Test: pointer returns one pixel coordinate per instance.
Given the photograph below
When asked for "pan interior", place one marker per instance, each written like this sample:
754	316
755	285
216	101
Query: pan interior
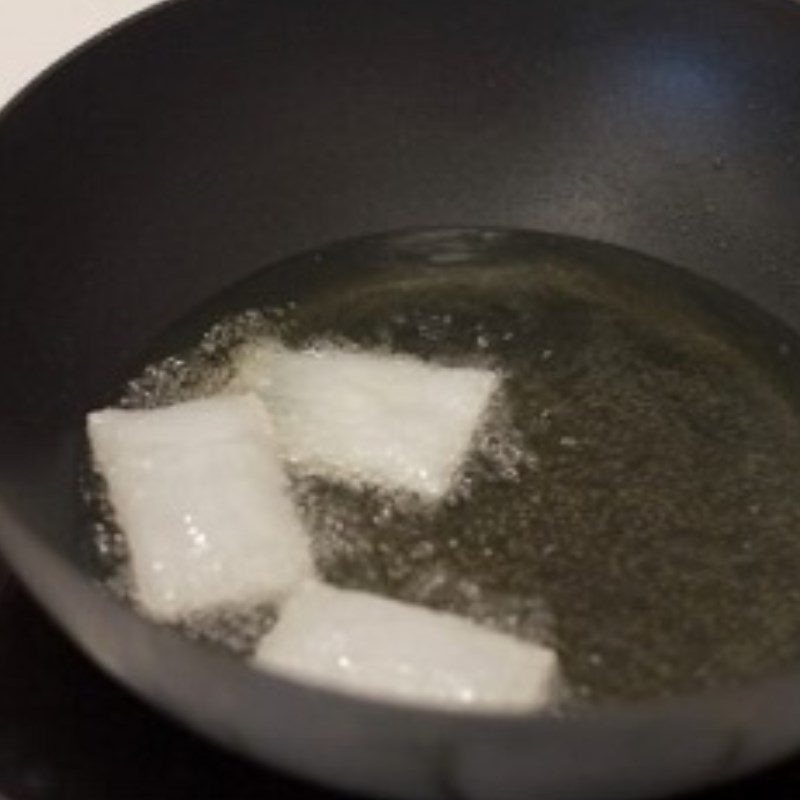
634	499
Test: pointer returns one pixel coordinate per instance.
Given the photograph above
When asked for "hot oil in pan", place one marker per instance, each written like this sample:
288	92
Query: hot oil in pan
634	498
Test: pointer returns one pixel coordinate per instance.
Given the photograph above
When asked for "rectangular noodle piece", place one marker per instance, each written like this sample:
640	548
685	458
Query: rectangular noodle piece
203	500
393	421
383	648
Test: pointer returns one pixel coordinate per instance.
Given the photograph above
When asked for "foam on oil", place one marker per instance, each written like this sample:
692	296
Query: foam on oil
633	498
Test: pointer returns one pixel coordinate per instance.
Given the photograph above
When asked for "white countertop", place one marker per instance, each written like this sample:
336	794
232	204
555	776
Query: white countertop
35	33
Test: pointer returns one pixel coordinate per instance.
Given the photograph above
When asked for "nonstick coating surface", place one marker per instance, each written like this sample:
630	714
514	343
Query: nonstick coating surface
49	732
215	136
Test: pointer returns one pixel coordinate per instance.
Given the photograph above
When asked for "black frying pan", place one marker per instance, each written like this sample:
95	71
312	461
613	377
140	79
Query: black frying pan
213	137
